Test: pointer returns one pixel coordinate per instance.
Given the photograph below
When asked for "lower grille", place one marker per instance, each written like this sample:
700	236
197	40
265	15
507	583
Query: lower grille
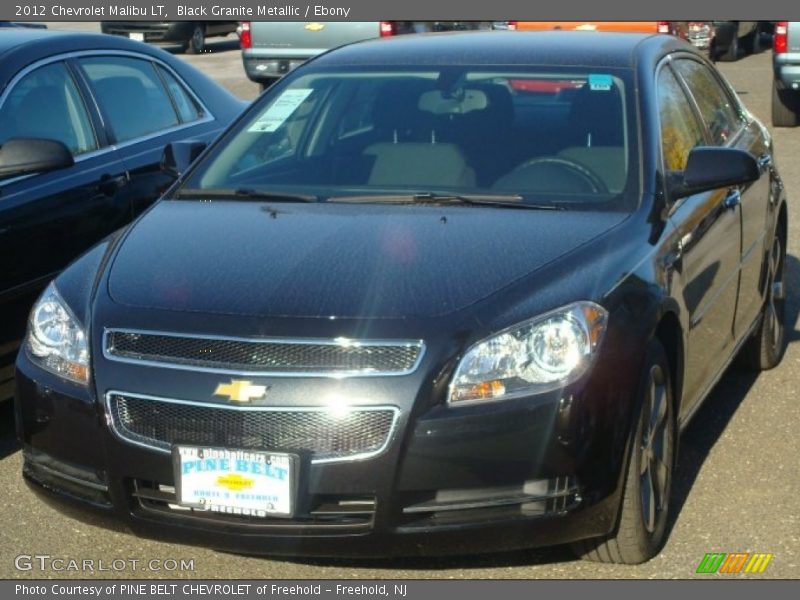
160	423
76	481
537	498
331	514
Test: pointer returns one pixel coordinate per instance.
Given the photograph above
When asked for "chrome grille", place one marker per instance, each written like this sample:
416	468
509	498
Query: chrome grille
159	423
270	356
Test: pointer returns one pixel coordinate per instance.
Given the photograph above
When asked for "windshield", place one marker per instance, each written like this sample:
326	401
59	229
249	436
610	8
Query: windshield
561	137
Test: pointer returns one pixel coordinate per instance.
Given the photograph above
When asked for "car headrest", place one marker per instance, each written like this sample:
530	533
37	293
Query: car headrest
419	164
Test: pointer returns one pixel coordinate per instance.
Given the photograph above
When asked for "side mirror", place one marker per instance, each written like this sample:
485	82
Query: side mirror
21	156
179	155
710	167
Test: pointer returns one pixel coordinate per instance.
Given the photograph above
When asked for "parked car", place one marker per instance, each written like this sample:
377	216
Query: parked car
736	37
701	34
428	294
23	24
786	79
189	35
270	49
84	119
615	26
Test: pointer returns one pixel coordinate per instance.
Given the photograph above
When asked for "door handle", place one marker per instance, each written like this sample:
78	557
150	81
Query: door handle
109	184
732	199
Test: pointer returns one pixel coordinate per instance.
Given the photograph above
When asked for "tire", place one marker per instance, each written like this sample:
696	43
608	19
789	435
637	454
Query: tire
764	350
197	43
641	530
732	51
752	43
711	53
785	107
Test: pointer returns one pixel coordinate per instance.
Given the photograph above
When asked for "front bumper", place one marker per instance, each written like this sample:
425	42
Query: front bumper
522	473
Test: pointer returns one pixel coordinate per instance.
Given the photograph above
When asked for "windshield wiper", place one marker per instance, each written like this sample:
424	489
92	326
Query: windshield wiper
243	194
498	200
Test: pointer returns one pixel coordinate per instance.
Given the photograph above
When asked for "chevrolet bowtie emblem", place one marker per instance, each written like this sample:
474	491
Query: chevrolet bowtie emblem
315	26
239	390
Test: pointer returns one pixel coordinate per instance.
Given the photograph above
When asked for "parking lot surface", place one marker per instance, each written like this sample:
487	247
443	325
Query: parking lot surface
737	485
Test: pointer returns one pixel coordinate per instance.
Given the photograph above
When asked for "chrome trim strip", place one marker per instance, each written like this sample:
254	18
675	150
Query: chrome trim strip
334	374
300	409
430	507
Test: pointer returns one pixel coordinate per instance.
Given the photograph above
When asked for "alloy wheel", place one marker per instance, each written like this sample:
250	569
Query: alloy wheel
776	294
655	451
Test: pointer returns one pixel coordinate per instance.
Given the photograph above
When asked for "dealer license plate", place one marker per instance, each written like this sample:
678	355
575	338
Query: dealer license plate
139	37
240	482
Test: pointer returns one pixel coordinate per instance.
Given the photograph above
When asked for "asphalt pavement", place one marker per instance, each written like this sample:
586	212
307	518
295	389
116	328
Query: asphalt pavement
737	485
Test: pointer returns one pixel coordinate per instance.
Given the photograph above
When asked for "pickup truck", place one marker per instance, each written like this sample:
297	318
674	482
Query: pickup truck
786	69
270	49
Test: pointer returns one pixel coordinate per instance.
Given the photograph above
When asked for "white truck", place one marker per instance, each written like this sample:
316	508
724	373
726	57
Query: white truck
786	69
270	49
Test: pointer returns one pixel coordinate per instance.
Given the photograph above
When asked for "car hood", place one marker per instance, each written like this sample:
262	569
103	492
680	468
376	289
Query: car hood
336	260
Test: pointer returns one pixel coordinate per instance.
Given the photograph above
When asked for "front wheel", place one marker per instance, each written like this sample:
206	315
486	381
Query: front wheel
197	43
642	526
732	51
753	41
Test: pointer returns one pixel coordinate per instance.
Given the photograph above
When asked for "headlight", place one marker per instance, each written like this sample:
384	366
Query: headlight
56	341
542	354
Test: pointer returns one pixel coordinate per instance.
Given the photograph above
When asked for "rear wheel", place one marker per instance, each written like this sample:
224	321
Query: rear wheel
753	41
785	107
732	51
642	526
764	350
197	43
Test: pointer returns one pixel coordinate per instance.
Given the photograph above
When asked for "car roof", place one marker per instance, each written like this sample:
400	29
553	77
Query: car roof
560	48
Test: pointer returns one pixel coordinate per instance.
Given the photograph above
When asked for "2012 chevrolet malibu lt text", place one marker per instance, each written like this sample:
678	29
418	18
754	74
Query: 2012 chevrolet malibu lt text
445	293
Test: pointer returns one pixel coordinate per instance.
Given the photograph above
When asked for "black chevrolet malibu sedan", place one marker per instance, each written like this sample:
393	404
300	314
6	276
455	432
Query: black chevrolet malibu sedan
430	294
84	119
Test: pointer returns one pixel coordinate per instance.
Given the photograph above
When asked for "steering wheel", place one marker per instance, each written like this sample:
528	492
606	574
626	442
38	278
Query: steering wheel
570	167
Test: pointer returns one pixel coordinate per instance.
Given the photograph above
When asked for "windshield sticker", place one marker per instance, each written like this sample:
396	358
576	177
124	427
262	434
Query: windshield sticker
280	110
600	83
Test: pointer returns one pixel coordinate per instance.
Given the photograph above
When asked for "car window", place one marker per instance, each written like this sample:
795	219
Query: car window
131	95
680	129
188	109
714	103
46	103
564	135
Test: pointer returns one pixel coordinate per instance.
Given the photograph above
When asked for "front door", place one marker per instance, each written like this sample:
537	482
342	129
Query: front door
709	227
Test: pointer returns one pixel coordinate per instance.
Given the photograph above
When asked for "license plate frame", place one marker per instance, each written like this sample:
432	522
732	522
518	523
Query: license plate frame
223	500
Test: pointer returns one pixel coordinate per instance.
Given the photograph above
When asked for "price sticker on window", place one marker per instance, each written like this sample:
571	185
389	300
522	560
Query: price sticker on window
279	111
